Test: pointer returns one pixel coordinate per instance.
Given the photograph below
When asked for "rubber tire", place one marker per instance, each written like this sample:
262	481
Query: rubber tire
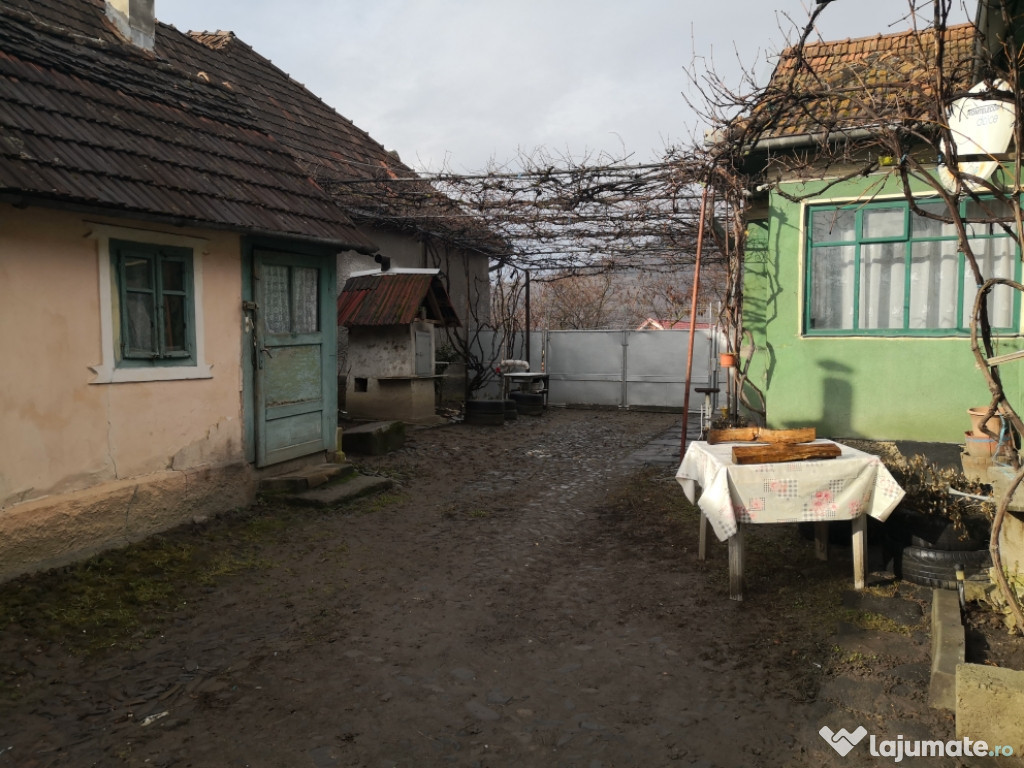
917	530
485	412
937	567
528	403
511	411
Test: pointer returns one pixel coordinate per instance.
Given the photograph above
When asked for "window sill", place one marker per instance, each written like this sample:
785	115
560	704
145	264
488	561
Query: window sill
108	375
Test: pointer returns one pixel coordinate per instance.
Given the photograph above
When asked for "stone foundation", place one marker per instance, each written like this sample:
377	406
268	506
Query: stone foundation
58	530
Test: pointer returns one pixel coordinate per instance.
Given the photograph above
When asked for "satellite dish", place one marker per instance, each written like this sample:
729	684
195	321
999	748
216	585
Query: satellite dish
979	127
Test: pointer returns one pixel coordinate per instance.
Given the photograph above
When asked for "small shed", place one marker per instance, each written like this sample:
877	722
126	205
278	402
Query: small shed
391	318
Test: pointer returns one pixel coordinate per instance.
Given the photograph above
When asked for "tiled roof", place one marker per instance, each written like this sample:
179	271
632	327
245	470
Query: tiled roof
90	121
394	298
860	83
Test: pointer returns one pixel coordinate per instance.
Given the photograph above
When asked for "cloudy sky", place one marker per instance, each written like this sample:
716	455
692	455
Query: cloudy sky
456	84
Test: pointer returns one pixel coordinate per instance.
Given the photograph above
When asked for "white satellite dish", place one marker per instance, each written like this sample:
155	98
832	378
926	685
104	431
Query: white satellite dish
979	127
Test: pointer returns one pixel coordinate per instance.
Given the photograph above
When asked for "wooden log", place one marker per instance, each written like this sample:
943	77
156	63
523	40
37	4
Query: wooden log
801	435
768	454
734	435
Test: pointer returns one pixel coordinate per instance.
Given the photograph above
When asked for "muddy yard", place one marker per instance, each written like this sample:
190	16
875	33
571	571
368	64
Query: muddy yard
525	595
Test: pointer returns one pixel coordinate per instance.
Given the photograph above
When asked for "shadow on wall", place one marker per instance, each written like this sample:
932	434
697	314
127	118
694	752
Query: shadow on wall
836	398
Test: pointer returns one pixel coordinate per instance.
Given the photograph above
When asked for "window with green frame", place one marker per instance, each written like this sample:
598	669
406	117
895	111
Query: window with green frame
881	269
155	304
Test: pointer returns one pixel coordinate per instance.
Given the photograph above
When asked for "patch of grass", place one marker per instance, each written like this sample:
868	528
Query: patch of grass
373	504
875	621
123	596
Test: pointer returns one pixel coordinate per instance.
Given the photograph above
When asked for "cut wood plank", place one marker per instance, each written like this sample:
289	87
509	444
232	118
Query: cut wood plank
762	435
801	435
768	454
734	435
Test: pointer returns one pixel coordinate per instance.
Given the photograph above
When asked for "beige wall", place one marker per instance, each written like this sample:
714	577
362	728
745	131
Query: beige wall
60	433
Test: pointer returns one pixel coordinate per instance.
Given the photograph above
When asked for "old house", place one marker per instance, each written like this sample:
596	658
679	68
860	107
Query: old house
859	303
169	264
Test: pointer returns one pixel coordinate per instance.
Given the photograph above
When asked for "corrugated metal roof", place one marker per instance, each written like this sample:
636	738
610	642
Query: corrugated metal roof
394	299
92	121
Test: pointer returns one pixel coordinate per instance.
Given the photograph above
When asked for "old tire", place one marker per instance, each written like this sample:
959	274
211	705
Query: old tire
937	567
485	412
911	528
528	403
511	412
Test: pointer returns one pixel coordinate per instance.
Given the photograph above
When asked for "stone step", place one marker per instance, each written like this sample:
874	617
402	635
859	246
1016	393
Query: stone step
339	492
305	478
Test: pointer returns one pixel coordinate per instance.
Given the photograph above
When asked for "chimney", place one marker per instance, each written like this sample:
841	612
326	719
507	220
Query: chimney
135	20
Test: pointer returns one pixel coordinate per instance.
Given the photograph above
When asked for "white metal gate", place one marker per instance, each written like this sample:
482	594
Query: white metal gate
632	369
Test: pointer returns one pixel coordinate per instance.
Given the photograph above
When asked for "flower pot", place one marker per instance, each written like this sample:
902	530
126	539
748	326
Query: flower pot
727	360
977	414
980	446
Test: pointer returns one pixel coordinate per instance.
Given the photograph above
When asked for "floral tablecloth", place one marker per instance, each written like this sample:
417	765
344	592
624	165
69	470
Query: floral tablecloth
852	484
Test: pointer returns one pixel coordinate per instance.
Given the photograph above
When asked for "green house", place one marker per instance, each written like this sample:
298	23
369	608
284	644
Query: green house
857	294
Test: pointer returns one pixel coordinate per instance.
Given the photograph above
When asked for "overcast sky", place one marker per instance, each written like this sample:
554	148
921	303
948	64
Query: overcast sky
454	84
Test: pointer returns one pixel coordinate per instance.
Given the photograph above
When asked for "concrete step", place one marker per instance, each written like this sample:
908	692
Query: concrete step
373	439
339	492
305	478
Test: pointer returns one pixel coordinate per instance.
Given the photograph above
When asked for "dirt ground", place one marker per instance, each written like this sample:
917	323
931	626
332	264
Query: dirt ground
526	595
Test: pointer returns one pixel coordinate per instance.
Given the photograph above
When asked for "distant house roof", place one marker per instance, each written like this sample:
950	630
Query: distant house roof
651	324
92	122
395	298
859	83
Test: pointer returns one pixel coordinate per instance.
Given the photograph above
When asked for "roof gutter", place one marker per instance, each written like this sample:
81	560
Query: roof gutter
812	139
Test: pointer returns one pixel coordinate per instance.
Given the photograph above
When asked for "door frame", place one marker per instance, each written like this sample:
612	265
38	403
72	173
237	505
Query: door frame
328	257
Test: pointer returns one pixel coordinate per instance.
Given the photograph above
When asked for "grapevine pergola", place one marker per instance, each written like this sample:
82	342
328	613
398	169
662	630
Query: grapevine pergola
549	214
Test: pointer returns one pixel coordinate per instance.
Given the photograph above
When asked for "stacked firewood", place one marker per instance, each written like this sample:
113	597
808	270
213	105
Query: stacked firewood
773	445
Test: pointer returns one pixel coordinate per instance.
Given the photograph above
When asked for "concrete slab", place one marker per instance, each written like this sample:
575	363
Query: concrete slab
374	438
338	493
989	702
948	648
304	478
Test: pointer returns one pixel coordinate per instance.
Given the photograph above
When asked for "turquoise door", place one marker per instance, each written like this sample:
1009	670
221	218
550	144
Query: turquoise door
294	353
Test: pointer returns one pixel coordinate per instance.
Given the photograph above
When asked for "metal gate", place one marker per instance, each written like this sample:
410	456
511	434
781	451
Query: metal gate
631	369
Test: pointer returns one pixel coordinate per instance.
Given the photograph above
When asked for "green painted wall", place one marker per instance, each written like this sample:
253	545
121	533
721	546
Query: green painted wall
867	387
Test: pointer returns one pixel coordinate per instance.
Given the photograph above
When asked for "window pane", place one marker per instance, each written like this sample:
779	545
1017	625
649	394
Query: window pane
832	288
174	324
934	278
173	275
137	273
305	299
882	281
833	225
884	223
276	312
140	335
985	216
922	227
995	259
